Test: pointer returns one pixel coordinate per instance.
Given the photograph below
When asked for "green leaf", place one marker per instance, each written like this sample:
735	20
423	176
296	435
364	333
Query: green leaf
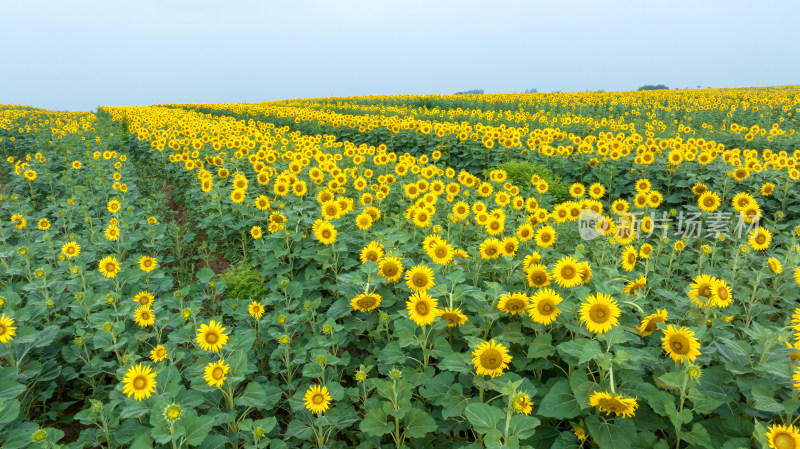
523	426
419	423
375	423
197	427
698	436
9	412
611	434
252	396
10	390
483	417
559	402
204	275
143	441
542	347
579	351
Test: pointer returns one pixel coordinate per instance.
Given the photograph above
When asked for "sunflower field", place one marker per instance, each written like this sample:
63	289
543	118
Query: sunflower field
554	271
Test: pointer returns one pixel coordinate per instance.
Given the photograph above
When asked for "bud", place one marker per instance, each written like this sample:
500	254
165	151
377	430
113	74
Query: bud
173	412
693	371
39	435
395	374
96	405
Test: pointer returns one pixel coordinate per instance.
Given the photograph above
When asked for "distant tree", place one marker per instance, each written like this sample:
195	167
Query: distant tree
530	91
653	87
471	91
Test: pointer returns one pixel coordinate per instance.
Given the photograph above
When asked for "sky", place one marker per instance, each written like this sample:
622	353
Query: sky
77	55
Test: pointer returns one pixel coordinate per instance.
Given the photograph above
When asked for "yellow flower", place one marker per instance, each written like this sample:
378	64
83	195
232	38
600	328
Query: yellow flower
599	313
455	317
324	232
537	275
139	382
629	258
680	344
44	224
420	278
775	265
147	264
108	266
612	403
7	329
71	249
490	358
760	238
522	404
215	373
144	316
211	337
366	302
256	232
113	206
545	236
158	353
567	273
422	308
255	309
513	303
491	249
390	268
112	233
649	323
317	399
543	306
783	437
709	201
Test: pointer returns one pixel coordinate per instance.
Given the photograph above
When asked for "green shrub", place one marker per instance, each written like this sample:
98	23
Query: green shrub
243	282
520	172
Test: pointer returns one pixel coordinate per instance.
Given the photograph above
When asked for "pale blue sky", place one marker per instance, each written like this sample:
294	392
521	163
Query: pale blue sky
77	55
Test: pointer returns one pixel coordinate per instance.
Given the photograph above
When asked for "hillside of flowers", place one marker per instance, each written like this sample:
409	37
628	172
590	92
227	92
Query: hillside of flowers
554	271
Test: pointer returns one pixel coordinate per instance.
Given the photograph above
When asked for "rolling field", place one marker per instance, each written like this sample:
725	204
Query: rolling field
566	270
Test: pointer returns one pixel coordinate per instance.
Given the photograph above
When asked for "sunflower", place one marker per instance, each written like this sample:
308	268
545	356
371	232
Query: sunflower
702	290
147	263
139	382
325	232
783	437
255	309
510	246
420	278
709	201
491	248
680	344
775	265
144	298
629	258
599	313
767	189
567	273
441	253
215	373
722	295
537	275
455	317
19	220
211	337
522	404
490	358
649	323
372	252
543	306
144	316
633	286
7	328
113	206
262	202
366	302
108	266
525	232
597	190
545	236
797	276
71	249
158	353
317	399
760	238
422	308
391	268
112	233
363	221
613	403
44	224
256	232
513	303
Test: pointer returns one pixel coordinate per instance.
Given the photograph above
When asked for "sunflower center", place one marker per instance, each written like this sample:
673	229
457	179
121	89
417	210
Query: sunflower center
568	272
705	290
546	237
110	267
420	280
3	329
326	233
679	344
515	304
651	326
538	278
441	252
212	338
422	308
491	359
217	373
367	302
545	306
318	399
451	317
599	313
390	269
722	293
139	383
612	404
760	239
784	441
145	315
372	255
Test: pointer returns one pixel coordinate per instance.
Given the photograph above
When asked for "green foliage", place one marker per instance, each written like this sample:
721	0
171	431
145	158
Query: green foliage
243	282
520	173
